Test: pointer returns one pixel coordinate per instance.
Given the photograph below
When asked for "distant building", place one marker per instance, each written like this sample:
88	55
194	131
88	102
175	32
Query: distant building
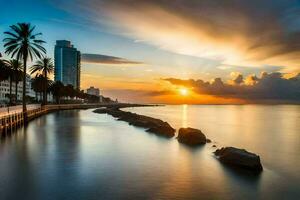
93	91
67	63
4	89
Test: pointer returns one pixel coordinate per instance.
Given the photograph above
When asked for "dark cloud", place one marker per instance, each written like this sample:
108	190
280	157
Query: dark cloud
269	86
135	95
142	93
239	79
103	59
159	93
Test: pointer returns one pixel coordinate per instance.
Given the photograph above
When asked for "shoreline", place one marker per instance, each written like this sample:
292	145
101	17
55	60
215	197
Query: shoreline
187	136
11	122
233	157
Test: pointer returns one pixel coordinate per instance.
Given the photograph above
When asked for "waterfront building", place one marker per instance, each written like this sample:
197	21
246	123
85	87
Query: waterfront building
93	91
67	63
4	89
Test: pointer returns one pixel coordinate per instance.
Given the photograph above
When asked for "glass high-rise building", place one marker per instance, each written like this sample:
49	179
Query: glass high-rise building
67	63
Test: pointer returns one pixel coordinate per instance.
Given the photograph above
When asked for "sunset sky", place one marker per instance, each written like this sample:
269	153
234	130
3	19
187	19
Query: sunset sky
161	51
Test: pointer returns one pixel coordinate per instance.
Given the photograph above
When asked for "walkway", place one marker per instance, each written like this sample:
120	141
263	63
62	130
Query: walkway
15	118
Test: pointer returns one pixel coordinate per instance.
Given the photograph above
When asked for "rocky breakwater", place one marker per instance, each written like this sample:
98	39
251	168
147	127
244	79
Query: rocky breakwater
239	158
152	125
191	136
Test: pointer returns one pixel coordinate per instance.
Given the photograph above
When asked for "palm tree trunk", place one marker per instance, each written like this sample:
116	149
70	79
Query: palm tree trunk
45	90
24	87
16	91
10	90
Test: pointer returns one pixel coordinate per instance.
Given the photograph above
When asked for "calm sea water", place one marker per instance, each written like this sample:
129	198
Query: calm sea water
82	155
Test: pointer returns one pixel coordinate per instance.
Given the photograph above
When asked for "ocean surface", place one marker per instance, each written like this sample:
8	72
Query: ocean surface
79	154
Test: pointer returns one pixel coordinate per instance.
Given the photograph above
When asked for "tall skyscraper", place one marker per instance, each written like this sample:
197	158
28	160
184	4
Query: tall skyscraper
67	63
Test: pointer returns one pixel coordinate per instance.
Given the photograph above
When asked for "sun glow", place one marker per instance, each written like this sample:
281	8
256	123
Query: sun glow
183	91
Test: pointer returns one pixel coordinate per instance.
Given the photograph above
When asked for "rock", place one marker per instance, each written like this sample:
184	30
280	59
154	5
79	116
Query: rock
239	158
166	131
191	136
101	111
214	145
152	125
208	140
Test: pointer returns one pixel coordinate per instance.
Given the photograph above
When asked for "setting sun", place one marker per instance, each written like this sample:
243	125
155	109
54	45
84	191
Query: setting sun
183	91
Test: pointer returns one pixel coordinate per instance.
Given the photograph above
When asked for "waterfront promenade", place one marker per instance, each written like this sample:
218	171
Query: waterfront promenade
12	117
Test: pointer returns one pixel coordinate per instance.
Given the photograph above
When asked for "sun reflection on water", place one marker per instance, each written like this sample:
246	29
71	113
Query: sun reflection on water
184	115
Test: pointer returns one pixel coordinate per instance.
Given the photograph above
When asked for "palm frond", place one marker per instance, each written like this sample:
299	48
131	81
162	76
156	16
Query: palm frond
20	54
12	49
30	55
15	51
40	47
12	42
22	41
35	35
34	70
36	53
17	29
31	29
11	34
39	41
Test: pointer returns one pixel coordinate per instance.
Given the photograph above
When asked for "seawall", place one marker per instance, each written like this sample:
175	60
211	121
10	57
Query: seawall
10	122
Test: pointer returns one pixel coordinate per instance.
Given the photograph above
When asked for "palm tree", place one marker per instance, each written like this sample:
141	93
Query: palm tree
4	72
22	42
57	89
45	67
70	91
37	84
15	67
10	72
17	78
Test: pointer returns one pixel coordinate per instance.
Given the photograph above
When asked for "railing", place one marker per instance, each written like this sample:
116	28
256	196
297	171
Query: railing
9	122
4	111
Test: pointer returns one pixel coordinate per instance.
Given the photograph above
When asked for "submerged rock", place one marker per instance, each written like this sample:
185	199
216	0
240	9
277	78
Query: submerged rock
152	125
191	136
166	131
239	158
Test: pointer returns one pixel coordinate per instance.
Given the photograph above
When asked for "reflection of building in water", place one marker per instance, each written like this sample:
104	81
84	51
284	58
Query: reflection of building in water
184	115
66	127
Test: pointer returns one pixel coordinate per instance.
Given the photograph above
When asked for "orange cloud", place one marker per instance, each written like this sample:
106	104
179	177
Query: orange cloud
268	87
